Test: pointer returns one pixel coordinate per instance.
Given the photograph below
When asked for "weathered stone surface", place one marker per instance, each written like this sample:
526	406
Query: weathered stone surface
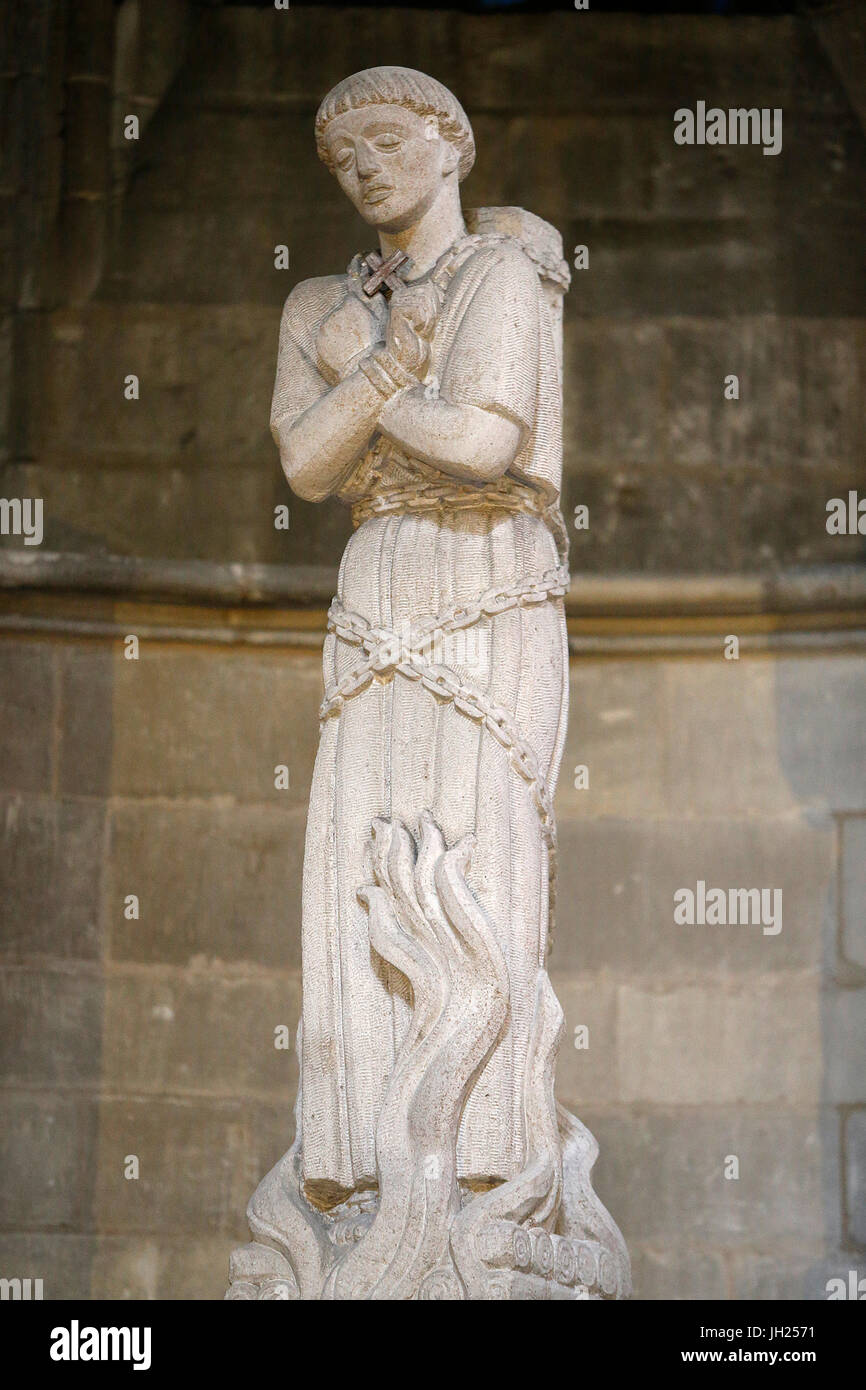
825	154
118	1267
160	1267
86	733
87	111
146	61
743	520
175	357
199	1160
266	153
29	335
822	1278
188	723
234	897
617	730
27	698
234	54
821	719
680	1274
61	1261
665	1168
6	360
613	169
855	1176
844	1024
128	1267
800	398
47	1154
634	56
196	1033
641	729
127	517
777	1275
651	393
739	770
723	1042
758	61
215	269
854	890
50	877
638	519
615	905
588	1074
729	1040
718	265
52	1026
614	390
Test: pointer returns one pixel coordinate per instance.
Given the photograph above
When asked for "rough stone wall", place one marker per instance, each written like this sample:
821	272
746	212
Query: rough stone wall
155	1037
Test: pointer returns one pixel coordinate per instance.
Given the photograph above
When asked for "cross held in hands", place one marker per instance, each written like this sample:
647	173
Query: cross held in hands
383	274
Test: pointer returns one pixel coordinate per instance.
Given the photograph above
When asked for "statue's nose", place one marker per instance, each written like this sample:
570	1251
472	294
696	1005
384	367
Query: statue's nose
368	162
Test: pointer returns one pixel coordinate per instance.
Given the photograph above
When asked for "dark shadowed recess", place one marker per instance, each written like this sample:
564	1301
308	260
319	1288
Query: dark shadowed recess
720	7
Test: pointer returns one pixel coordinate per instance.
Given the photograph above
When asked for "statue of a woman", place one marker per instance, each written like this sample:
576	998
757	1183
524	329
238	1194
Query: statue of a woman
423	389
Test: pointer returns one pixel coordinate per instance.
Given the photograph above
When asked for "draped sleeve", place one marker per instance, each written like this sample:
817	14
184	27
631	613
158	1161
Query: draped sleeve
299	383
493	360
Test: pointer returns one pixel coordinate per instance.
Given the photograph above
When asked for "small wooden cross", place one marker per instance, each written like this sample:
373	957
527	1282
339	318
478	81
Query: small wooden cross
383	273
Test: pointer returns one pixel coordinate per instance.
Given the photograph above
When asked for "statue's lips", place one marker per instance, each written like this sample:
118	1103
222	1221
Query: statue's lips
378	193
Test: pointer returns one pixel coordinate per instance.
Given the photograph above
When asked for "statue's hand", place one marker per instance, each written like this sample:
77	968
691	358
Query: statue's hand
411	321
346	335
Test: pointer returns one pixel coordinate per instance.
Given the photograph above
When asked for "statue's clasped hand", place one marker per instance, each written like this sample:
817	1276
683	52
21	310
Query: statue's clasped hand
387	340
350	333
412	313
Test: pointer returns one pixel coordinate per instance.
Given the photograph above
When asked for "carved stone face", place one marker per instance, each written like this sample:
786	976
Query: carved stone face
390	162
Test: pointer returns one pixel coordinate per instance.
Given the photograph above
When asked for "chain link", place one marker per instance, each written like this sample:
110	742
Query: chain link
387	654
436	496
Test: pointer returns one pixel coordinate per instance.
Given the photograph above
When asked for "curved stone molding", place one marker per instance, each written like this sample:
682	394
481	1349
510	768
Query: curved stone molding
803	589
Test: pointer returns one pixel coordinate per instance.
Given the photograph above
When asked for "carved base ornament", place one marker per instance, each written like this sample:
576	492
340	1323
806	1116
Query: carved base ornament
423	389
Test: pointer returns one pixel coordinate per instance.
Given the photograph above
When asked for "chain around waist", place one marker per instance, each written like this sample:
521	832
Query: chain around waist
437	495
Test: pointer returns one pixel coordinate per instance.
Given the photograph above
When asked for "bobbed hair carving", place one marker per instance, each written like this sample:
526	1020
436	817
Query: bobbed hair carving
399	87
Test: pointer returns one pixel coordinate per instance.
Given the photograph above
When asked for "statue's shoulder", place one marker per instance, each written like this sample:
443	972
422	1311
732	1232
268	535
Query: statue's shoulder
500	264
307	305
526	241
502	250
311	300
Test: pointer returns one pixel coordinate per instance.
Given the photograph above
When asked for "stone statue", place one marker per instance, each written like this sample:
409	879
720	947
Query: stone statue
423	389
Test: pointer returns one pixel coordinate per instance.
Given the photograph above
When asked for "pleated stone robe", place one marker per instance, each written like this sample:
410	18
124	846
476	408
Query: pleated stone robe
397	749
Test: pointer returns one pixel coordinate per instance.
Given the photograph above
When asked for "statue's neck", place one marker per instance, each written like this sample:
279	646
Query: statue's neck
431	236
